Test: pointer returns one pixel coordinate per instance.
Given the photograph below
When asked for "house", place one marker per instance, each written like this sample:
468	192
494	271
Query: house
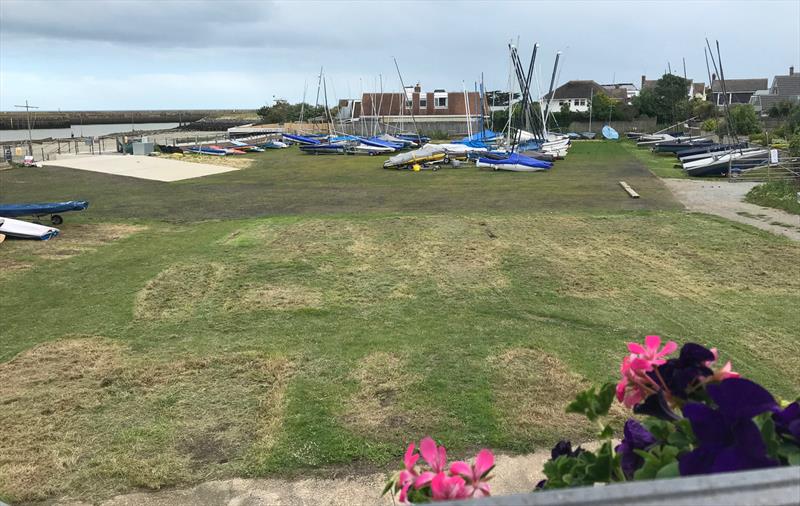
631	90
438	103
437	110
578	95
784	89
738	91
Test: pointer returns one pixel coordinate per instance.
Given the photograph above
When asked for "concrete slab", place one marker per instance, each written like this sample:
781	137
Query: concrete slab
142	167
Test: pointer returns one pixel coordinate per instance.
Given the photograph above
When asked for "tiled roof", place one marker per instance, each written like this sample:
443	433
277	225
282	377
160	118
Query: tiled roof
740	85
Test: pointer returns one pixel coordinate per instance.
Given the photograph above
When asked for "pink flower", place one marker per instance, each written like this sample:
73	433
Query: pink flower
436	457
475	475
649	355
409	474
445	487
723	373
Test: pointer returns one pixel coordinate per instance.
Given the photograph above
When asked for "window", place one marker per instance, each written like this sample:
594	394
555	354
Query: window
423	101
440	102
560	102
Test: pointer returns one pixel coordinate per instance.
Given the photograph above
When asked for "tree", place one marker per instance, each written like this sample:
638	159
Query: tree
668	101
283	112
744	121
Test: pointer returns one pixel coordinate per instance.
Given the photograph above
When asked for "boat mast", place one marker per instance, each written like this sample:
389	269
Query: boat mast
303	105
549	94
483	111
403	98
327	110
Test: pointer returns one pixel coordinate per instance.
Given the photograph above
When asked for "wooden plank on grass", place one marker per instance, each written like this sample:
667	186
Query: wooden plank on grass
628	189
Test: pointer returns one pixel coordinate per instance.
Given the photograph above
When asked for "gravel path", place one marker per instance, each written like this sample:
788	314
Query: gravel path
727	200
513	475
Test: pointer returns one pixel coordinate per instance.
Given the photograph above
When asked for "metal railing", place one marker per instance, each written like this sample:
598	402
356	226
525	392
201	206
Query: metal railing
764	165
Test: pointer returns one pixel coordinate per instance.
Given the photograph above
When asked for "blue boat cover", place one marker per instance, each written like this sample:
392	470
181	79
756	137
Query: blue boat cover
518	159
610	133
301	139
40	209
486	135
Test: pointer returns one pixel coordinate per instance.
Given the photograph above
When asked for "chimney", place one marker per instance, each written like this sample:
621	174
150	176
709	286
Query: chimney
643	80
791	71
417	88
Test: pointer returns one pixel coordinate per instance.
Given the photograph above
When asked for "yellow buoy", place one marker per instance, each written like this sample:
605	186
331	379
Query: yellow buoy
416	167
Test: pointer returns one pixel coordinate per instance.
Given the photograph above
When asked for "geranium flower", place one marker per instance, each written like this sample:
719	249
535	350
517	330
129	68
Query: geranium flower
445	487
636	438
723	373
475	475
649	355
787	421
728	438
436	457
409	474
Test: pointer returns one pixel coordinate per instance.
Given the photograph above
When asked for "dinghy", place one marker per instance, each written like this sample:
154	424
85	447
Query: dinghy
52	209
609	133
428	154
299	139
274	145
206	150
24	230
513	162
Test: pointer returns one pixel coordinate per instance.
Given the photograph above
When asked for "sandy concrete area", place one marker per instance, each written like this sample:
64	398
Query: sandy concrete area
513	475
727	200
143	167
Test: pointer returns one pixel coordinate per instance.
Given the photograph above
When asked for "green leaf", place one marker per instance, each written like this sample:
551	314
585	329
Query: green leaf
607	432
593	404
655	460
769	435
669	471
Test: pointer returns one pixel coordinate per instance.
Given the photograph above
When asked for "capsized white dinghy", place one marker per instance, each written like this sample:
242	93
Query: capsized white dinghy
26	230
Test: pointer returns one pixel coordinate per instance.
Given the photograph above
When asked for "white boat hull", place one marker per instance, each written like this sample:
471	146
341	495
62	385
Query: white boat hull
26	230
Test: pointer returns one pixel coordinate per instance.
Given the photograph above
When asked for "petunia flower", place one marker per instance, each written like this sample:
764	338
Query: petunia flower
787	421
564	447
676	375
637	437
475	475
445	487
728	439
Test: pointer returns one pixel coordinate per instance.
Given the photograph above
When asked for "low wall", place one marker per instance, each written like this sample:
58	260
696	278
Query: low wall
436	129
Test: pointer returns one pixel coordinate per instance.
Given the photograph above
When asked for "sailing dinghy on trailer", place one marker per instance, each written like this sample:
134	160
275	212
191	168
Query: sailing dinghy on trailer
52	209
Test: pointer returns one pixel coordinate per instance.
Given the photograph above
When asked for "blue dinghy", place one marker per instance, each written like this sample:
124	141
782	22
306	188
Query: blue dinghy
52	209
609	133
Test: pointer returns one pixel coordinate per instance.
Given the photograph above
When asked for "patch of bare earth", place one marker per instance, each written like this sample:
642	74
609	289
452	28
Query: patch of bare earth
376	407
531	392
176	291
85	418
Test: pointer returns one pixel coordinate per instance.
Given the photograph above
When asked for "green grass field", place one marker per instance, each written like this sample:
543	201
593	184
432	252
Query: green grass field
313	314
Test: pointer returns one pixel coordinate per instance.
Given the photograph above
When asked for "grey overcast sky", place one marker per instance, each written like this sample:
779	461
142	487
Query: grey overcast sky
139	54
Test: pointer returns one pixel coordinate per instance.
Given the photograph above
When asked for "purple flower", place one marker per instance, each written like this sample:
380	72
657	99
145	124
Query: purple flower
677	374
656	405
636	438
728	439
787	422
564	448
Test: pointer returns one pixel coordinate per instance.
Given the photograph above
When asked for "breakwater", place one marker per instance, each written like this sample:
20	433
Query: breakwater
17	120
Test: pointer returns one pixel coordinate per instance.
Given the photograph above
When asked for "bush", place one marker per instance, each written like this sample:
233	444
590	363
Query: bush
794	145
776	194
709	125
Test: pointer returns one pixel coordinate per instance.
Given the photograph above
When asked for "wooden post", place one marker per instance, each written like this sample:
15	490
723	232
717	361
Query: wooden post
59	146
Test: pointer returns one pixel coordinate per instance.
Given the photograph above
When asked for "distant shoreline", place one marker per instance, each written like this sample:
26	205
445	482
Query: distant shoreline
17	120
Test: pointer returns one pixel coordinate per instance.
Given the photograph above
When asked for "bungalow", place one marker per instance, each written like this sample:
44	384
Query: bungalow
631	90
695	90
738	91
578	95
784	89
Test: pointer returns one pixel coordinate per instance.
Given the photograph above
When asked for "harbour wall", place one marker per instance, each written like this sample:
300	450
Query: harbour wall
17	120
